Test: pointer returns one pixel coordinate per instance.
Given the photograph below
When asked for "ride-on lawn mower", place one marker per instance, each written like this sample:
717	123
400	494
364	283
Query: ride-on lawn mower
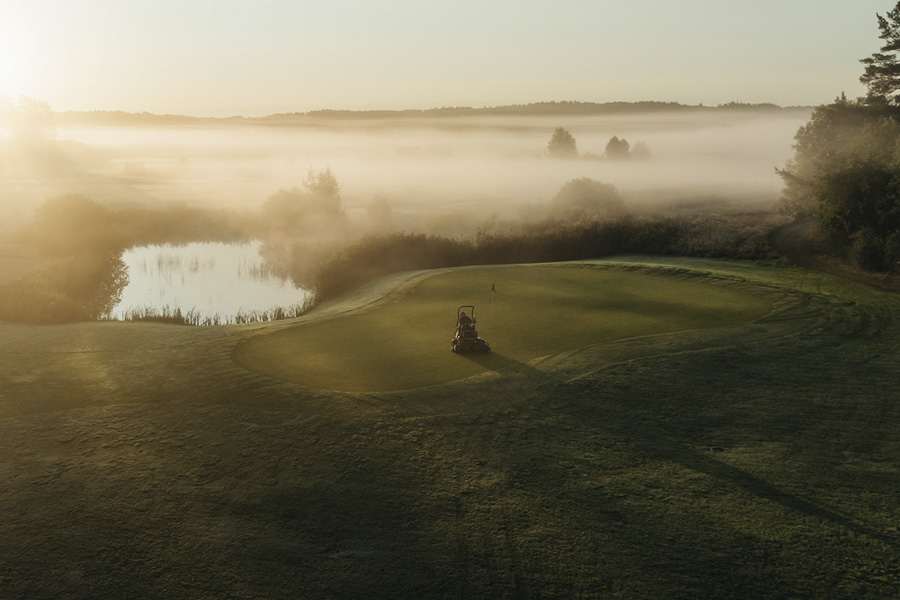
466	338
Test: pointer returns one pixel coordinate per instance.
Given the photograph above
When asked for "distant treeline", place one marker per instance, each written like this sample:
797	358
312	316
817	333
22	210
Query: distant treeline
535	109
119	118
114	118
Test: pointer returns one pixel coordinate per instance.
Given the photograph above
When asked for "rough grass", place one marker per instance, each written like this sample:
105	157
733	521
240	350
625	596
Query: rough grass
538	311
751	461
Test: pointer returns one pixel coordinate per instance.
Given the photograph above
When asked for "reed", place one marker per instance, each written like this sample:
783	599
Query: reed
194	317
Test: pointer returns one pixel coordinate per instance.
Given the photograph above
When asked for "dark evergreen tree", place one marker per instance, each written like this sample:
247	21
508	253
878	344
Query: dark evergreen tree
846	166
882	72
845	173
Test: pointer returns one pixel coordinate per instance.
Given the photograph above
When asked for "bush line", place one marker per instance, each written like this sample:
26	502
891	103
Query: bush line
739	236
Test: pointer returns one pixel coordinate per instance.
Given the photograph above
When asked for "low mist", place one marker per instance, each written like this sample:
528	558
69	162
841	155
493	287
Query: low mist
431	172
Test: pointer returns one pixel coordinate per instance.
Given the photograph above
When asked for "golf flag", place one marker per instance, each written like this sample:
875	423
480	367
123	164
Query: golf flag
493	289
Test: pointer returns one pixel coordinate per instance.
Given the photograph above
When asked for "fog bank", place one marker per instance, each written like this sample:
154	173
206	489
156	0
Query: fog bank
485	164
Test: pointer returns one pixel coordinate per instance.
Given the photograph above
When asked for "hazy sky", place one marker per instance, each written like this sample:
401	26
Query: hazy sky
257	57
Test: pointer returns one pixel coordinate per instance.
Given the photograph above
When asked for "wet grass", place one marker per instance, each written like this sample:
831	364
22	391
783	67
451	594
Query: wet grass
750	461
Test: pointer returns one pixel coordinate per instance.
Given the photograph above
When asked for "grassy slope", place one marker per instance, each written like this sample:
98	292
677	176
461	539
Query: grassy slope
753	461
540	310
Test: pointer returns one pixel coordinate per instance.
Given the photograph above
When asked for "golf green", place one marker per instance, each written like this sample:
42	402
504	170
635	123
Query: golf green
536	311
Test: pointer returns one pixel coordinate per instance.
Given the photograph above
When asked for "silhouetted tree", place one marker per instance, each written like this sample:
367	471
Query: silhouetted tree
74	223
836	135
882	72
324	187
640	151
29	119
562	144
845	174
379	214
861	201
618	149
314	209
587	197
80	287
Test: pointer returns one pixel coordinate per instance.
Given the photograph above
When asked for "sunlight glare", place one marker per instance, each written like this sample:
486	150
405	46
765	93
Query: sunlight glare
13	72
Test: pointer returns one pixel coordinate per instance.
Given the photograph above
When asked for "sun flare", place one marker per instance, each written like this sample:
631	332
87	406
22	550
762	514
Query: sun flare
13	70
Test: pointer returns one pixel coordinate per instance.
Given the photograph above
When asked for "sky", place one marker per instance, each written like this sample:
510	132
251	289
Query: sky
259	57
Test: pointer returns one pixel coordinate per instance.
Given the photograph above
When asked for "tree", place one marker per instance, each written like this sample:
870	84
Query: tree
27	120
379	214
617	149
882	73
73	223
587	197
836	135
324	188
562	144
640	151
316	208
846	166
846	173
862	202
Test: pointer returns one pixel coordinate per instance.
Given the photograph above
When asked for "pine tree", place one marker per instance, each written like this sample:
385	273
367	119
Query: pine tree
882	72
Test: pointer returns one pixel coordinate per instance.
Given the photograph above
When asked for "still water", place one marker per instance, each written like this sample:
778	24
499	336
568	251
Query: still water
214	282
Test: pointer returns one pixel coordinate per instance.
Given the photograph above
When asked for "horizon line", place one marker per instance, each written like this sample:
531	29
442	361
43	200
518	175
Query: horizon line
588	107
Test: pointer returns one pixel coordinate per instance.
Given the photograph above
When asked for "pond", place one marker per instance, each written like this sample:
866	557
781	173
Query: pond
206	283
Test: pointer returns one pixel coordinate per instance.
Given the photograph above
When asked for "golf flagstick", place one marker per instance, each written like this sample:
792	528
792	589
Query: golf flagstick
493	290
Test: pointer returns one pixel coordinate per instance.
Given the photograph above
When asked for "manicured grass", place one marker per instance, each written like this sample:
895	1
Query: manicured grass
536	311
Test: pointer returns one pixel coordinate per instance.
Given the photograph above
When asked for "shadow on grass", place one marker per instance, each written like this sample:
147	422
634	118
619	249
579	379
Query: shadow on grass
658	439
731	475
492	361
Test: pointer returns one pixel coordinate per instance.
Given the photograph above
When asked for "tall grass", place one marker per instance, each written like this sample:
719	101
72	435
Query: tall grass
194	317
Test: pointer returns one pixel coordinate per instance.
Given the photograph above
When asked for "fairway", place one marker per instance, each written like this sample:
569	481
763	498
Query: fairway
537	311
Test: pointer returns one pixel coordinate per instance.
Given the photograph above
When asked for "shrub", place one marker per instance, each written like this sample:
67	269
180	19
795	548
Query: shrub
586	197
74	223
741	236
84	287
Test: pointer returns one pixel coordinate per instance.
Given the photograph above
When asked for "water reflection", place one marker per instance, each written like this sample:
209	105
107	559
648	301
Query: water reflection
212	282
